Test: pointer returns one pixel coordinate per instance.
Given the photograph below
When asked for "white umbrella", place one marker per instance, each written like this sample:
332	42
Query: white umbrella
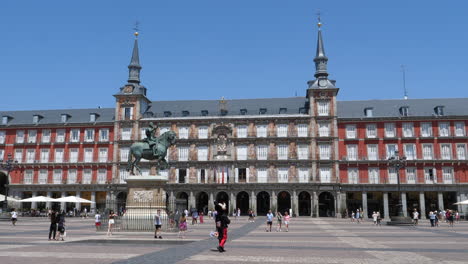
9	198
38	199
73	199
462	202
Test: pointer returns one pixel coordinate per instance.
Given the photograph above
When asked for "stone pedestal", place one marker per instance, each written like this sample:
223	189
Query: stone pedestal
146	195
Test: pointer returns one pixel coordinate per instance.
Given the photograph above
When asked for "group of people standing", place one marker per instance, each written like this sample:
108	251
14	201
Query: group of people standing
57	222
449	216
280	219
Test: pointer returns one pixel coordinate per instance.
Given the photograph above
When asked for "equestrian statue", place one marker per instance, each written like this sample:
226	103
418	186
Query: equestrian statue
151	148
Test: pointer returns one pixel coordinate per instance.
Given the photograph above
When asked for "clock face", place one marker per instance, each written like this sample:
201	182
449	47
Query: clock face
322	82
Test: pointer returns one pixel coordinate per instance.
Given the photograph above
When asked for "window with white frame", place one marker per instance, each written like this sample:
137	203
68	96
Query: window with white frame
30	156
430	175
374	175
351	152
123	175
102	176
323	108
324	151
447	175
45	136
444	129
2	137
143	132
44	155
201	176
302	130
87	176
57	178
88	155
242	131
303	151
19	155
72	176
43	175
392	175
353	175
74	155
282	152
19	136
446	151
350	131
181	175
5	120
103	155
127	112
75	135
391	148
262	152
89	135
32	136
60	135
461	151
372	152
371	130
410	151
28	176
202	132
163	130
427	151
282	174
426	129
126	133
410	175
325	174
124	153
281	130
164	174
58	155
104	134
408	129
183	132
261	130
303	174
202	153
262	175
390	131
324	129
183	153
459	129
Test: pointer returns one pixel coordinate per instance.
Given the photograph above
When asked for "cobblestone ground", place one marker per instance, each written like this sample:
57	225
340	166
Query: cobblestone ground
309	240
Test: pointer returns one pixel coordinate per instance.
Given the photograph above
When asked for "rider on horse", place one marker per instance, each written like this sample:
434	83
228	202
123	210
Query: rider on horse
150	138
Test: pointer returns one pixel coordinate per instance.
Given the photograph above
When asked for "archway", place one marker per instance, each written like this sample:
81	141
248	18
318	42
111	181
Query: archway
182	202
326	204
121	202
242	201
263	203
304	204
223	197
284	202
202	202
3	182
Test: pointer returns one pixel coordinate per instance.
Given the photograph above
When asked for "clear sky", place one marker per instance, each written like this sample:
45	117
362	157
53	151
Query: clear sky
74	54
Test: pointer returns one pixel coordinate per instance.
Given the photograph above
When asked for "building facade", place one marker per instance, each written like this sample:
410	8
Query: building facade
313	155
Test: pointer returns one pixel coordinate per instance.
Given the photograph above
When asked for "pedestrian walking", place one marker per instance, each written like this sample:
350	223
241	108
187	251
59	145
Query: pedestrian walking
436	218
251	217
157	224
450	218
200	215
195	217
432	217
374	217
269	220
353	216
222	222
182	226
176	219
358	216
53	225
279	218
457	216
379	219
209	214
415	217
14	216
286	218
111	224
238	212
97	220
61	226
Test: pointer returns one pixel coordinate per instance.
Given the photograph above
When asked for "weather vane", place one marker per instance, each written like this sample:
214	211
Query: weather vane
319	23
136	28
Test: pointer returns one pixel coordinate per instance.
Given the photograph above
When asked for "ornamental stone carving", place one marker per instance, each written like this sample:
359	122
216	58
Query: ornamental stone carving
143	196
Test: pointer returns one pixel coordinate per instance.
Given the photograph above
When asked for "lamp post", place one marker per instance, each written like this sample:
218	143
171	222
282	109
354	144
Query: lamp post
9	165
398	162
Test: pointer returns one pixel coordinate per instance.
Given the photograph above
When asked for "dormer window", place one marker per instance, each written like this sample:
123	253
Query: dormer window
167	114
36	119
64	118
283	110
224	112
204	112
439	110
5	120
404	111
185	113
262	111
302	110
92	117
369	112
243	111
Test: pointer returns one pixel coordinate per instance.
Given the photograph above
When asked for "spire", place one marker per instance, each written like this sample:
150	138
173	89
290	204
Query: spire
320	58
134	67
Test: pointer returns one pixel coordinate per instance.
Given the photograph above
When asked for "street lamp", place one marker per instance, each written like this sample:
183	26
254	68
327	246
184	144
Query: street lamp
9	165
398	162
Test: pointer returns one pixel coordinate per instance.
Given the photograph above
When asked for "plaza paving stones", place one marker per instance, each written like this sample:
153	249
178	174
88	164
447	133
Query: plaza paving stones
310	240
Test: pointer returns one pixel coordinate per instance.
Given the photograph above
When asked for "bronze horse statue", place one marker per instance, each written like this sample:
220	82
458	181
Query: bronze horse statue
142	150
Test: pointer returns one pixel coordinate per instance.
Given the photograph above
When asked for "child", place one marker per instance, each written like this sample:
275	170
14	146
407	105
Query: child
286	220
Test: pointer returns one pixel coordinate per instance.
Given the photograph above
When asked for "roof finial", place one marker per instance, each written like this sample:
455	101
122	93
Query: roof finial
135	67
136	29
319	23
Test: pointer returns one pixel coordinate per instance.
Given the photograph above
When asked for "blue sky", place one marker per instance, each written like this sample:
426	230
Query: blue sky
74	54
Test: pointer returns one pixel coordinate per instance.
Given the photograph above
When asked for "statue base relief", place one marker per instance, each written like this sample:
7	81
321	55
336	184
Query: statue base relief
145	196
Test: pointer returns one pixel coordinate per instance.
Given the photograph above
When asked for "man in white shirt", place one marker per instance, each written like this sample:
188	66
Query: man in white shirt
269	220
157	224
97	220
415	217
14	216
